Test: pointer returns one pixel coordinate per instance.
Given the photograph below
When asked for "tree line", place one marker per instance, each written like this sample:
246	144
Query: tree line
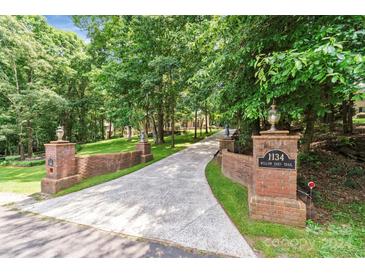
153	72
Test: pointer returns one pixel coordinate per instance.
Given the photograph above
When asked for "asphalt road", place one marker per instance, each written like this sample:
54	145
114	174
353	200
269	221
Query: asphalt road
30	235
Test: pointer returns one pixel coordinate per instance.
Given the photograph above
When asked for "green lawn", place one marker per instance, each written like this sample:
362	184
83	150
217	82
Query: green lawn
21	179
359	121
27	179
345	237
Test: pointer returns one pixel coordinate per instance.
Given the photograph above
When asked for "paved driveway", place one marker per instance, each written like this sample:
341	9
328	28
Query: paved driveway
168	201
25	235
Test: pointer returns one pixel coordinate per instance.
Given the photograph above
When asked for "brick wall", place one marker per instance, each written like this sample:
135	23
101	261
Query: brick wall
237	167
93	165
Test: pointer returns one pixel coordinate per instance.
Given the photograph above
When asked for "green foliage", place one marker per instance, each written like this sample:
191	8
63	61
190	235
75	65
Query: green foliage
345	141
309	158
22	163
350	183
356	171
337	170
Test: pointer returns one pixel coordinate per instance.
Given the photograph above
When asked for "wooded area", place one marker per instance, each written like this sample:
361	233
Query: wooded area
154	73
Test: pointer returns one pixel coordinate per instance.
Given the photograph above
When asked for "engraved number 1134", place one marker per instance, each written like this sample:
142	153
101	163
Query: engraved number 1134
276	157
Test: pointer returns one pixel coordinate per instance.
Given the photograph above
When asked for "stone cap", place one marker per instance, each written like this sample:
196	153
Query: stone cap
61	143
276	134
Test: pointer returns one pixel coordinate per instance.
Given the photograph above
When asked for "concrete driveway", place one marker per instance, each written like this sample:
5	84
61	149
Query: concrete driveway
168	201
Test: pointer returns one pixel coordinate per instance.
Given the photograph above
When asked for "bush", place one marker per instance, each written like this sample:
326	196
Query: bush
12	158
310	158
337	170
345	141
23	163
351	183
356	171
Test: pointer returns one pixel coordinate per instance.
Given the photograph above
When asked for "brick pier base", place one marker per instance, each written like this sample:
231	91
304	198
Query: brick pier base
60	166
273	196
145	147
226	143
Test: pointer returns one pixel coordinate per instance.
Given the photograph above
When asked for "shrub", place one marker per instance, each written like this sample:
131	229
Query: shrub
351	183
346	141
309	158
356	171
12	158
23	163
337	170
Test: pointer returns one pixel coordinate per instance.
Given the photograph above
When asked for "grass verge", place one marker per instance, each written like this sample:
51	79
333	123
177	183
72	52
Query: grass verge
339	239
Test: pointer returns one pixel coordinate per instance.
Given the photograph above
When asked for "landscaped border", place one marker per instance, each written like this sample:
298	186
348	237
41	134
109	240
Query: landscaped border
276	240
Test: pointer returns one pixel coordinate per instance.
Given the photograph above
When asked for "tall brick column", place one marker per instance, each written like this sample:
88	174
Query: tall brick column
61	167
273	196
145	147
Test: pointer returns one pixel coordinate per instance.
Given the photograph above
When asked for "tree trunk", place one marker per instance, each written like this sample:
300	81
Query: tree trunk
331	119
349	116
21	150
256	127
309	129
129	133
110	129
344	112
173	127
154	130
160	133
30	139
146	126
206	118
195	123
102	130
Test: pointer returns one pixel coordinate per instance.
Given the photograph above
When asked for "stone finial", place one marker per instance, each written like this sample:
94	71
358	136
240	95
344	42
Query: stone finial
226	131
143	137
60	132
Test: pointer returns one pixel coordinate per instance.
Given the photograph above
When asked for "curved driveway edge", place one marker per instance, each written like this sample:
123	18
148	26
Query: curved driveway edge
169	200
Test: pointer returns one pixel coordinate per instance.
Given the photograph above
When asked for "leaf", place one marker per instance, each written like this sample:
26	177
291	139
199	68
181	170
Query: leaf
298	64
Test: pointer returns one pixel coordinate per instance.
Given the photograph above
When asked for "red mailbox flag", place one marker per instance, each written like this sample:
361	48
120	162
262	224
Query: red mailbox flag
311	184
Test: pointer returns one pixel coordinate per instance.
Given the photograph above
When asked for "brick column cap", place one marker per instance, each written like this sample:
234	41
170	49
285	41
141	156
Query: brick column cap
63	143
226	139
276	136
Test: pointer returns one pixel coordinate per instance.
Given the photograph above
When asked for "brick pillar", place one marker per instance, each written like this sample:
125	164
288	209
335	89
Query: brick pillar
60	166
145	147
226	143
274	193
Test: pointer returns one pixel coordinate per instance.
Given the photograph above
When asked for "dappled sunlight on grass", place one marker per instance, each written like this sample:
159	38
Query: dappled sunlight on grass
21	179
